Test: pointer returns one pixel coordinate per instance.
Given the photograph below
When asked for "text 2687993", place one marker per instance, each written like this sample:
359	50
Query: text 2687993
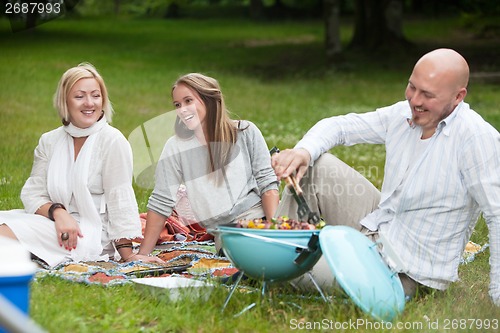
17	8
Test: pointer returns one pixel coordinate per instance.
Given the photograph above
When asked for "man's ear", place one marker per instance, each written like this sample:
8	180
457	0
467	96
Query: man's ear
461	95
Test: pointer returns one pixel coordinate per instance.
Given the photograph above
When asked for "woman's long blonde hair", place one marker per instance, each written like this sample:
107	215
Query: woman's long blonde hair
220	131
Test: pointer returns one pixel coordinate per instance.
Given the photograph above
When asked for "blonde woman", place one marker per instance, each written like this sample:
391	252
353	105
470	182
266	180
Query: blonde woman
224	163
79	204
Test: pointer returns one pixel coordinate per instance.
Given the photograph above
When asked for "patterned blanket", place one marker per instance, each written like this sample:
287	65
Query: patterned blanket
189	259
471	250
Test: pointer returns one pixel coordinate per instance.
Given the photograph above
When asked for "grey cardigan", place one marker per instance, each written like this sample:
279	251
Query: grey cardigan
245	178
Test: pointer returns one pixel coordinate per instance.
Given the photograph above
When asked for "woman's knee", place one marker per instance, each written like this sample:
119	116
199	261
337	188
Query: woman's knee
5	231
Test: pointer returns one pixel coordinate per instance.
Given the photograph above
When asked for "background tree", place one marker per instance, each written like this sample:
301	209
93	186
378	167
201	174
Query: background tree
256	9
378	25
333	44
117	4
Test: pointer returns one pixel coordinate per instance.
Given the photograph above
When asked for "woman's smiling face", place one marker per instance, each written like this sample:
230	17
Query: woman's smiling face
84	103
189	107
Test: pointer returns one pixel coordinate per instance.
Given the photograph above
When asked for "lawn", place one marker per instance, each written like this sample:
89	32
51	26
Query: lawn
272	73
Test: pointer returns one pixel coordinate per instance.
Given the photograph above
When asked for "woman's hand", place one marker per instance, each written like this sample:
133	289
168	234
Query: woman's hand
66	225
140	257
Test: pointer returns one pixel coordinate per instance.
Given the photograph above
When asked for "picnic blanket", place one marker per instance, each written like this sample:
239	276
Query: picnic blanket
471	250
189	259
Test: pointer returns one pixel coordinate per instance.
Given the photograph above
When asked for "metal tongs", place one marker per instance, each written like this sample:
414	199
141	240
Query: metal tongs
303	210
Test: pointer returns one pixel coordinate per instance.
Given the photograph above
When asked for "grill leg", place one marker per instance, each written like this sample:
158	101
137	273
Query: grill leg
317	286
232	290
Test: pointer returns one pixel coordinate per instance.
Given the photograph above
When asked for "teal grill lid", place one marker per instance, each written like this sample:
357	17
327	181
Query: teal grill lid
361	272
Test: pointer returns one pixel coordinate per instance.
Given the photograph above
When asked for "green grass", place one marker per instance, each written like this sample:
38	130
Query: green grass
271	73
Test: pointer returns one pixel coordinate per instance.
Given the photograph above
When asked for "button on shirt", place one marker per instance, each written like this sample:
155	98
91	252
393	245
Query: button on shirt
430	203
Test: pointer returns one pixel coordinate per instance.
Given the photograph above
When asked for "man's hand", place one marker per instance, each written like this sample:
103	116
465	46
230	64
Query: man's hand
289	161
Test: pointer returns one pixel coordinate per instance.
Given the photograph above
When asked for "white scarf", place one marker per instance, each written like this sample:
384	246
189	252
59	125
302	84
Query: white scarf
67	177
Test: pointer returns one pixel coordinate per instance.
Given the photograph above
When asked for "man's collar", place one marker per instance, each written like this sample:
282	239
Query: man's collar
446	123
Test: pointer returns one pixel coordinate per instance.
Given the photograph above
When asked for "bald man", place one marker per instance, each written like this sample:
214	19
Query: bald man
442	170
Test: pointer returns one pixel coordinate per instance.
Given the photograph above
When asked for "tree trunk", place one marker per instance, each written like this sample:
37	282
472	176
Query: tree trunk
333	43
31	19
394	18
256	9
117	7
378	25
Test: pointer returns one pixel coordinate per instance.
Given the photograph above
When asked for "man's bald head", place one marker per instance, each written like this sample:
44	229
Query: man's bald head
436	86
446	64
